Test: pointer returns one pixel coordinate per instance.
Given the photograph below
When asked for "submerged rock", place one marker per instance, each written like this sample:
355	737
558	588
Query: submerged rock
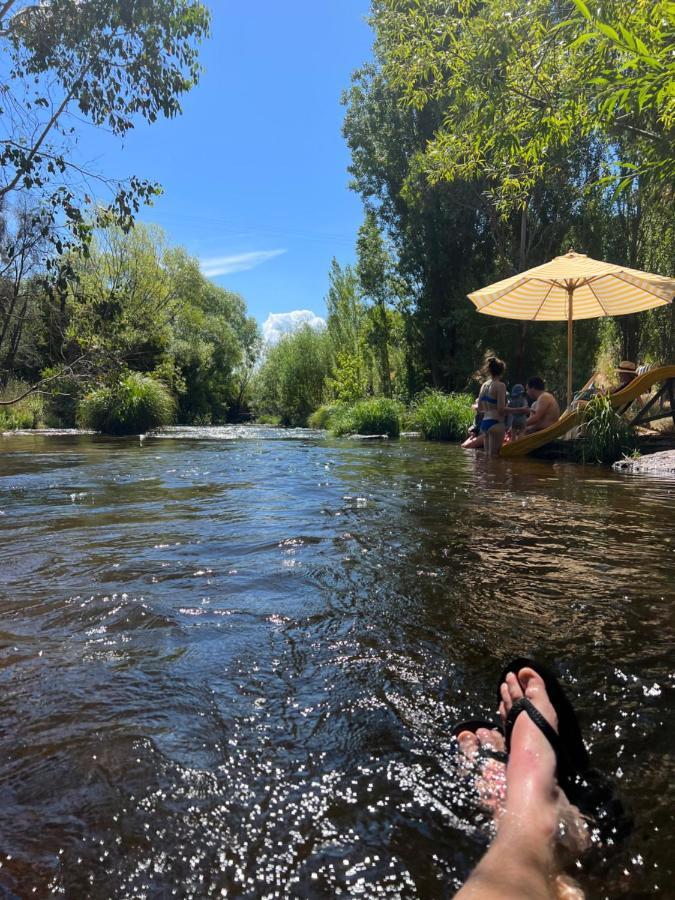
662	463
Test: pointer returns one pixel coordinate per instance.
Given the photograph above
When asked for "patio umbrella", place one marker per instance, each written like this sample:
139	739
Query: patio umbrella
573	286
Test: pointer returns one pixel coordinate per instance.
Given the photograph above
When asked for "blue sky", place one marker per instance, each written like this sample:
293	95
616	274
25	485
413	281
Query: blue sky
255	171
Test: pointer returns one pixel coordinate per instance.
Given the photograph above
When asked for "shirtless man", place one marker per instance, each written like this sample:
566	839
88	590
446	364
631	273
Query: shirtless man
545	410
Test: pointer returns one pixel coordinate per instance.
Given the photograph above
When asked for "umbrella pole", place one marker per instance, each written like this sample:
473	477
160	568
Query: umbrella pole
570	320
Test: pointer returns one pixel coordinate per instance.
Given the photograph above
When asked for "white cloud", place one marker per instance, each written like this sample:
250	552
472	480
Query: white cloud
278	324
237	262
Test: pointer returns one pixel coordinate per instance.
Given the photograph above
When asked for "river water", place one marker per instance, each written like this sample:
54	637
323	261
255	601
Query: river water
230	658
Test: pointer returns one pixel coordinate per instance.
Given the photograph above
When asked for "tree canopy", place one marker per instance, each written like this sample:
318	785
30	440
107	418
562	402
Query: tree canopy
112	62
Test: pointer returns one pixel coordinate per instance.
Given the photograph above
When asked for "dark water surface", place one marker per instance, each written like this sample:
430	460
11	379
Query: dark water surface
229	666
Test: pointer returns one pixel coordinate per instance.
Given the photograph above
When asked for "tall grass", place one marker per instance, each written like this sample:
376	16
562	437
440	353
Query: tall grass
442	417
27	413
606	436
321	418
135	404
374	416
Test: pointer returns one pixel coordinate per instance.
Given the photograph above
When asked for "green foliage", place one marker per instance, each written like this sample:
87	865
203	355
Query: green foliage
291	381
374	269
321	418
348	382
518	86
378	415
606	436
136	303
133	405
628	66
27	413
443	417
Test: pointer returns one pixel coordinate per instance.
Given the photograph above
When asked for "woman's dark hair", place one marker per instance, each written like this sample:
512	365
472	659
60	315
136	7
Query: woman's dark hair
537	383
495	367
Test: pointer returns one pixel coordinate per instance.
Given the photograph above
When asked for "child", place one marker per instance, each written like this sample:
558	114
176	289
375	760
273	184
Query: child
516	423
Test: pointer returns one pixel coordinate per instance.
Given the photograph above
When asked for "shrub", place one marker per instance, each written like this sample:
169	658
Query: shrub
322	417
135	404
606	436
443	417
27	413
376	416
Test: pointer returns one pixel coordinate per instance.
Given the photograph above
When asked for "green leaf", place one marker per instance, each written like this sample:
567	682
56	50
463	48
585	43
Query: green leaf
609	32
583	9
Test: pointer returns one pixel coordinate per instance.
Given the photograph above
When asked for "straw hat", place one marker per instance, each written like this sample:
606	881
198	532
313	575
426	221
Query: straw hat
627	366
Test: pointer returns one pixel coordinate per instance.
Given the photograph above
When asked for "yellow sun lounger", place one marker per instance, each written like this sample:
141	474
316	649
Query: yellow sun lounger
573	417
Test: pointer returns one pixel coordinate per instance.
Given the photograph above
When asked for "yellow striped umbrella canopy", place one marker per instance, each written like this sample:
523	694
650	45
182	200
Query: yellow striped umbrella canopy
573	286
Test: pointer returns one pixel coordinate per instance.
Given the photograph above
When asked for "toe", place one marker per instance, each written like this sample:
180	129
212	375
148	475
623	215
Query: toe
514	688
468	744
506	697
502	712
490	738
498	741
532	682
484	736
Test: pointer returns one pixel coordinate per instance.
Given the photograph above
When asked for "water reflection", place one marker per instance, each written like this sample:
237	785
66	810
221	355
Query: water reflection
230	665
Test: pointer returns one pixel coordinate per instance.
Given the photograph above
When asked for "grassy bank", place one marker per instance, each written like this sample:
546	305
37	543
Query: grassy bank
27	413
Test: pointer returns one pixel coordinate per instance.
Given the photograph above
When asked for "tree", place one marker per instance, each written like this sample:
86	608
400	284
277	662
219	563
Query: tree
346	325
376	278
109	61
291	381
133	303
20	290
213	346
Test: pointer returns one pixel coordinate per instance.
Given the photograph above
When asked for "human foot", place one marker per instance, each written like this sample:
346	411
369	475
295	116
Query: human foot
487	773
535	804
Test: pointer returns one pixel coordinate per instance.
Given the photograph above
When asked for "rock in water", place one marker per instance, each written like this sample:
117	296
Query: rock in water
662	463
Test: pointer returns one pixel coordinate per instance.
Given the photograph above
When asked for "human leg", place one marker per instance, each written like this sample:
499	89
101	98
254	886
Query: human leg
494	438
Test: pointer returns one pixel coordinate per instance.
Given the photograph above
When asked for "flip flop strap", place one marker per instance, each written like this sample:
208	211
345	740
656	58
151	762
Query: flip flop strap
551	735
498	755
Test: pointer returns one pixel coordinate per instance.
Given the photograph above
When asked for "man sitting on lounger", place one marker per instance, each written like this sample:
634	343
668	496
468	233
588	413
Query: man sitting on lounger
545	410
627	372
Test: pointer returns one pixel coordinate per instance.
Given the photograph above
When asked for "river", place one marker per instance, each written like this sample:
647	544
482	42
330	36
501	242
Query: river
230	658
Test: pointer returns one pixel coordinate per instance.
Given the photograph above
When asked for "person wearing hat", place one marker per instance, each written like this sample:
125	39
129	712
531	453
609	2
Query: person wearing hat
516	422
627	371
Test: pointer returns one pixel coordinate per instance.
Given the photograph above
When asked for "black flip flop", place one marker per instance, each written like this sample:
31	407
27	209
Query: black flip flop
572	758
590	790
473	725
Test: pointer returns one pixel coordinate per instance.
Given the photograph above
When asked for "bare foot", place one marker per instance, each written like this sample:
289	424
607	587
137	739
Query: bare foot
488	774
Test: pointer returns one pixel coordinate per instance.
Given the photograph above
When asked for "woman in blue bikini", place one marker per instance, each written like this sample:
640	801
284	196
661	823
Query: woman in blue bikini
492	403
